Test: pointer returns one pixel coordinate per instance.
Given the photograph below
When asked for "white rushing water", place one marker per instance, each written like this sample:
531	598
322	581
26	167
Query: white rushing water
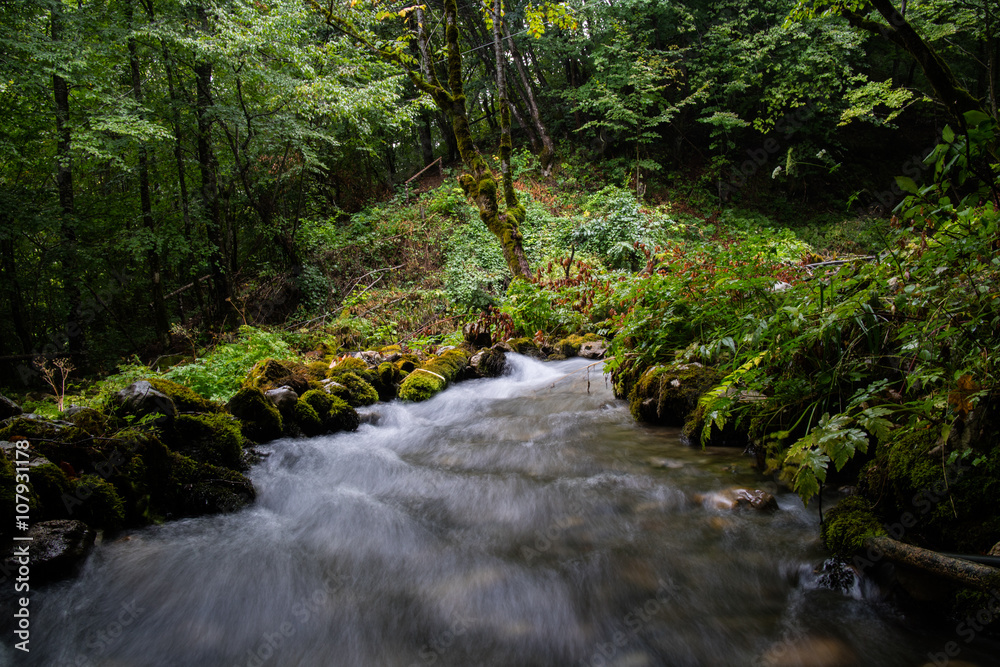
514	521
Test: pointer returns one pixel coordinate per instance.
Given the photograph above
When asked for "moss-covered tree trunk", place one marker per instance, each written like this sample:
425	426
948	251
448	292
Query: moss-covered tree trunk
479	183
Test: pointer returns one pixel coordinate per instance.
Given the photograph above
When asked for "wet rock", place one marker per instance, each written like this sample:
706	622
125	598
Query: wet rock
57	549
809	652
284	398
261	420
659	462
141	399
738	498
9	408
593	349
995	551
489	363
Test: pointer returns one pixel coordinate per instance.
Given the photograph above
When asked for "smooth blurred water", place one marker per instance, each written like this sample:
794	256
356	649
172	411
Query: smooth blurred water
514	521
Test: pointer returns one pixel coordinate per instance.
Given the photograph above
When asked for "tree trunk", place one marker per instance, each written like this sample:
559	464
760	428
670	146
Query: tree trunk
64	184
424	133
17	309
960	571
955	98
160	320
209	183
547	156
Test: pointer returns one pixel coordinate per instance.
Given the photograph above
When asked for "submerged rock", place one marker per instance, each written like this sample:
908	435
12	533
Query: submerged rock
809	652
489	363
738	498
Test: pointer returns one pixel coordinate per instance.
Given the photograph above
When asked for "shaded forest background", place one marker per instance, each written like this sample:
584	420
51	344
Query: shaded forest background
171	169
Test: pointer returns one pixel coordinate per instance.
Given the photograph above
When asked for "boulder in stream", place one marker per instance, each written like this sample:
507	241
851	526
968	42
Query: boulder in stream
141	399
56	549
283	398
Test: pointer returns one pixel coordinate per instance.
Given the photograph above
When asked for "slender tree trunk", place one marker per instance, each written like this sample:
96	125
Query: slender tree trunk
547	157
64	184
160	320
424	133
9	272
209	182
954	97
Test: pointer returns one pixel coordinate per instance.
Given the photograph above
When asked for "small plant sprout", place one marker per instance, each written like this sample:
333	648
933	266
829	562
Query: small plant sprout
56	375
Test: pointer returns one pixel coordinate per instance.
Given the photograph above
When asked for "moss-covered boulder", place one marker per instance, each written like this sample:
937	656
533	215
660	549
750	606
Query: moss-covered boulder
184	398
527	347
90	420
141	399
668	395
267	373
489	363
180	486
334	413
307	418
388	377
951	493
353	389
846	527
97	502
260	420
433	376
59	441
730	434
209	438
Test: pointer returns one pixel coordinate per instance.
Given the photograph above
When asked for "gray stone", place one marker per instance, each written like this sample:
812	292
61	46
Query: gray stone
9	408
284	398
141	399
370	357
593	349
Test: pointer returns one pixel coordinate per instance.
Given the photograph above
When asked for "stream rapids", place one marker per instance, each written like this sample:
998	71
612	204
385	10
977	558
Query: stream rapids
519	521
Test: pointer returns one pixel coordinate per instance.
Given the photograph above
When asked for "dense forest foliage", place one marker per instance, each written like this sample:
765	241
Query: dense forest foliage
166	165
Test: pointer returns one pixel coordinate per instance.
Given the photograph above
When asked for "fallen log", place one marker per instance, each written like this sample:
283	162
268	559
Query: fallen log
958	570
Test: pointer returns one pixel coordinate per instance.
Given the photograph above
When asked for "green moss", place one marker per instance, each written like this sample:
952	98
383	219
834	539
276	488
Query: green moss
342	416
570	346
318	400
184	398
214	439
180	486
101	505
388	377
668	395
355	390
433	376
524	346
317	370
50	484
261	421
420	386
349	365
267	374
90	420
307	419
847	526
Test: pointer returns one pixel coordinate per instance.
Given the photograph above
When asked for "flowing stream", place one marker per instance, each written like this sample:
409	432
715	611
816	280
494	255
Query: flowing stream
525	520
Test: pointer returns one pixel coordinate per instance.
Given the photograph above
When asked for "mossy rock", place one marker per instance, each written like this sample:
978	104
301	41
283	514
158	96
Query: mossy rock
846	527
267	374
527	347
96	502
261	421
668	395
180	486
420	386
50	486
348	365
317	370
407	363
209	438
354	389
433	376
307	418
388	377
334	413
570	345
90	420
184	398
955	504
57	441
